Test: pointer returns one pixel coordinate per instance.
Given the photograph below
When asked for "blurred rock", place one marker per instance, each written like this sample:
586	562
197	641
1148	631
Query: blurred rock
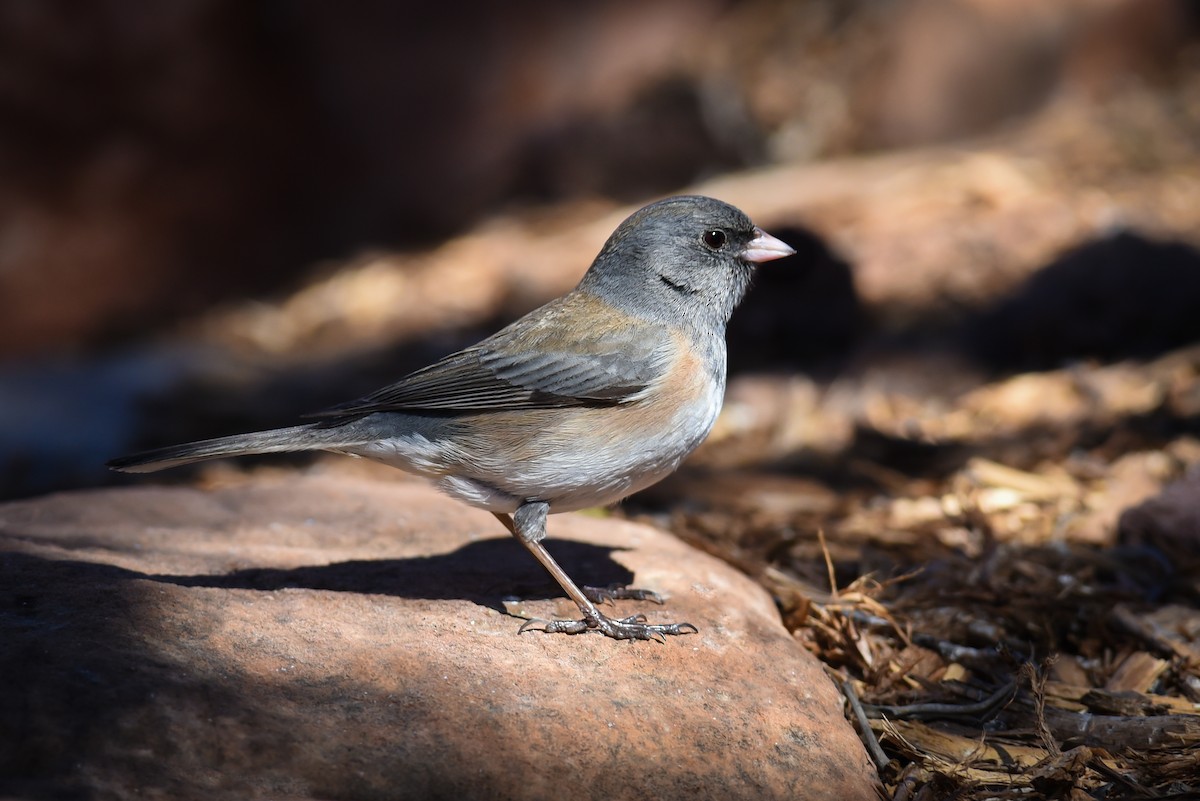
319	638
959	68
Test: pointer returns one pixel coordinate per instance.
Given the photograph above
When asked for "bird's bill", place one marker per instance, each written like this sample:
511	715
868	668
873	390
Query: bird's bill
764	247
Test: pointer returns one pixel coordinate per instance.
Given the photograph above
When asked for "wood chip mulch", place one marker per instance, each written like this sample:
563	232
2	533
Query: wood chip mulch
1009	614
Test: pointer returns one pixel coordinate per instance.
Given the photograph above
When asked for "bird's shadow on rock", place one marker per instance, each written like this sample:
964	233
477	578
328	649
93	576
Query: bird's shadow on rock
486	572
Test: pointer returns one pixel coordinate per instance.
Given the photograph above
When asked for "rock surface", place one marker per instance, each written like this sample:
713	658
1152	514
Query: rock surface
344	638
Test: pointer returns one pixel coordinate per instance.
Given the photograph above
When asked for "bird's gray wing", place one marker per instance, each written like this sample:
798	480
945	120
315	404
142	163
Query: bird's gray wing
532	366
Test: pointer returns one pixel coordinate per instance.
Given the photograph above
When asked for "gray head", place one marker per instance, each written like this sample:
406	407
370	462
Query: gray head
690	255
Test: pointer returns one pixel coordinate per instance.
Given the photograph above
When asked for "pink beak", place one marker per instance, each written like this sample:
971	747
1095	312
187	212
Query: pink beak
764	247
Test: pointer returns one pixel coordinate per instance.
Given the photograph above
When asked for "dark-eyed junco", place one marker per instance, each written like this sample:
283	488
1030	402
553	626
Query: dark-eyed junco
594	396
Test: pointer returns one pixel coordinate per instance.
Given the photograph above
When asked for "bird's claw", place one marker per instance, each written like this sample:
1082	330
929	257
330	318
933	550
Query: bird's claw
633	627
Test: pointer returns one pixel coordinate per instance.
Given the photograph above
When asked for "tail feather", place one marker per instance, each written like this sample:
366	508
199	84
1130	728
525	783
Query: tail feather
281	440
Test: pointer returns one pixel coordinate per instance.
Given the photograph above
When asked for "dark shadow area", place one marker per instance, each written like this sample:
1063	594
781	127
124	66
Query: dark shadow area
68	650
1125	296
910	456
802	313
484	572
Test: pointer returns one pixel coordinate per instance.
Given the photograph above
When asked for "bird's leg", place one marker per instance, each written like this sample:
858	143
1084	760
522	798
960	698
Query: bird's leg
528	525
599	595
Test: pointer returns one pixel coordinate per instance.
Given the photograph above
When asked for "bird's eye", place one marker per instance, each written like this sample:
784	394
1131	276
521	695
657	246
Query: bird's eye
714	238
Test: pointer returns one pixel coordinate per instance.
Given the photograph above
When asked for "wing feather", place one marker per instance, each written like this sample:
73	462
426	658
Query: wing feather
532	364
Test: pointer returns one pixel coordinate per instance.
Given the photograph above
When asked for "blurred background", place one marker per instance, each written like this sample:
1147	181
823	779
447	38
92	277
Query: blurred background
218	215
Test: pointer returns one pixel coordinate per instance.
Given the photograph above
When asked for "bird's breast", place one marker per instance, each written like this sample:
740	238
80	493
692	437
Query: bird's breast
591	456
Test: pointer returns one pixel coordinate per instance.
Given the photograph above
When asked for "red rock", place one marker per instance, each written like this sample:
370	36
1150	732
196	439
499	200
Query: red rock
319	638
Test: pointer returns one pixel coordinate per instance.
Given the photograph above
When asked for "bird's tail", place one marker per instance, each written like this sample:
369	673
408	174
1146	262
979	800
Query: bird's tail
313	437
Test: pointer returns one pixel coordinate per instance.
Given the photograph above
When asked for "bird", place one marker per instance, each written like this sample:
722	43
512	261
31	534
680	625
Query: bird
592	397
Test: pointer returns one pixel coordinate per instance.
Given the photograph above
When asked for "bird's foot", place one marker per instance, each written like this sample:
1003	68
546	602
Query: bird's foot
619	592
634	627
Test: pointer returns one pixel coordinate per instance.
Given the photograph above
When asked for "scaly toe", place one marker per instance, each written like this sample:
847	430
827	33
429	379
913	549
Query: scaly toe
635	627
619	592
554	626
